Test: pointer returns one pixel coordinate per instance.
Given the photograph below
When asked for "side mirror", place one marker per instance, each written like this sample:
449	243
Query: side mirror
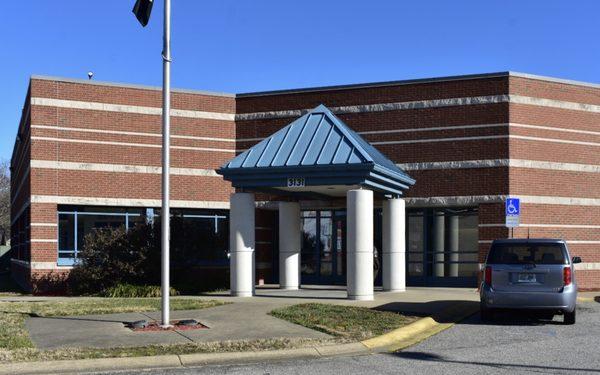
576	260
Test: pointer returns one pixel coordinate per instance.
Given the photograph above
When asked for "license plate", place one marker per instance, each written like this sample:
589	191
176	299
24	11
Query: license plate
527	278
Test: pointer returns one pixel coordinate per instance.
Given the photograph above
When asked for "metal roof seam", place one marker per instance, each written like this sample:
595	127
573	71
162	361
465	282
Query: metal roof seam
276	154
342	128
309	144
324	143
269	140
337	148
297	139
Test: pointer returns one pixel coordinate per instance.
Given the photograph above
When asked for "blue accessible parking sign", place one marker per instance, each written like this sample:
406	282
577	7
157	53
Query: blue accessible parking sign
513	212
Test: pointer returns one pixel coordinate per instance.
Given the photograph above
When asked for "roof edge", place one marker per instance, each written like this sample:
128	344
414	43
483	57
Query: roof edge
463	77
556	80
377	84
128	85
328	88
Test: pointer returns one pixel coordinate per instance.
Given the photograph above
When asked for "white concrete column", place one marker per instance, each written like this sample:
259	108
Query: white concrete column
289	245
453	245
438	245
394	245
359	238
242	244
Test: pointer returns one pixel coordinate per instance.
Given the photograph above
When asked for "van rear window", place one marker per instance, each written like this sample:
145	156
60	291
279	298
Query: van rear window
528	253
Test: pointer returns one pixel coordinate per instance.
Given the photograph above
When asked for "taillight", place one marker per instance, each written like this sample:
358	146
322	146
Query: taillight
488	276
567	276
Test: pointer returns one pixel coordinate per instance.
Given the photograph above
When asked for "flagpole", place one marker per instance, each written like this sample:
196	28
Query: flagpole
166	161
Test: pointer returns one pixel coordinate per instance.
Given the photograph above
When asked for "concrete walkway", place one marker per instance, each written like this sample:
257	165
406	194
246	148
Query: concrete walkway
243	319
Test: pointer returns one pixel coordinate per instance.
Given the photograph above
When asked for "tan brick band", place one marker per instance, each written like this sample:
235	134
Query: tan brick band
106	201
110	107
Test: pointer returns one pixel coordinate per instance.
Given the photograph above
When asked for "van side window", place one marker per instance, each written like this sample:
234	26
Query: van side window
542	253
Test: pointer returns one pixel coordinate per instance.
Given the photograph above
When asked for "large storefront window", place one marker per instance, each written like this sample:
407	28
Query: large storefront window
195	234
442	246
200	236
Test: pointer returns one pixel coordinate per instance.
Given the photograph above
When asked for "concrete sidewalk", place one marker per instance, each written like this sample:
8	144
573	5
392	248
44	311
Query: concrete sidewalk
243	319
228	322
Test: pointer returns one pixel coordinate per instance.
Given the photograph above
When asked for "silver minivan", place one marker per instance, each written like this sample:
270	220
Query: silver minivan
532	274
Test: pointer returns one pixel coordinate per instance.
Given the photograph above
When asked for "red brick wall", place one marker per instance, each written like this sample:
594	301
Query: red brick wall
373	95
197	143
218	140
213	153
575	223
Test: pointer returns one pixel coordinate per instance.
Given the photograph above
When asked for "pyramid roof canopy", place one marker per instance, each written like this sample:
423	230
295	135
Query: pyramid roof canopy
317	153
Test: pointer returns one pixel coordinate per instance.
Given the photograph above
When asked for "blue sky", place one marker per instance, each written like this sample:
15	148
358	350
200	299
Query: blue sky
252	45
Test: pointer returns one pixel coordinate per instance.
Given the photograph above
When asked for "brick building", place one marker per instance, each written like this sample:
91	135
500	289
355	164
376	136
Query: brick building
87	155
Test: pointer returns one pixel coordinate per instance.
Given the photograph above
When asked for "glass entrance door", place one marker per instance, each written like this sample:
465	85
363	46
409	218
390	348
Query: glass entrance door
323	254
442	247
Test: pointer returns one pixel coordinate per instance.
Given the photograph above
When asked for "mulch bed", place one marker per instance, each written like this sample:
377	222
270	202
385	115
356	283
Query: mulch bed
175	326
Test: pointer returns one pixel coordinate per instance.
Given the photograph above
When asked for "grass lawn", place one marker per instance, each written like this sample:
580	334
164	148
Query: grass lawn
347	323
15	343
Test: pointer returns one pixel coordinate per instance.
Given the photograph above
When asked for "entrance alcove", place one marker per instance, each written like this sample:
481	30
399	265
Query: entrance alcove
315	162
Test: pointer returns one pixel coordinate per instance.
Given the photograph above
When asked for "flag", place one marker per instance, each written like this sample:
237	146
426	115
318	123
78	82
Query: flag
142	10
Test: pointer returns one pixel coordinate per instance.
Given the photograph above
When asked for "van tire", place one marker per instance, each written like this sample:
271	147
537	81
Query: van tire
569	317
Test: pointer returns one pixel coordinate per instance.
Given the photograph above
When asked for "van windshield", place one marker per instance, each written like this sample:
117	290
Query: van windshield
527	253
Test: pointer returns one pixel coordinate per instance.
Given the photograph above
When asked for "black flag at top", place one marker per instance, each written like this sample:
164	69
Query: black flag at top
142	10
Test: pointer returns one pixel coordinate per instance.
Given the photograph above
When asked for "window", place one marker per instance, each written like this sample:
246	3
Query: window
322	257
309	259
196	235
199	237
530	253
442	243
20	237
74	223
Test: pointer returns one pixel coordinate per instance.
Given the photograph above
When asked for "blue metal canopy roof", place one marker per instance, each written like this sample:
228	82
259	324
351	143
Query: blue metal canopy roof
317	149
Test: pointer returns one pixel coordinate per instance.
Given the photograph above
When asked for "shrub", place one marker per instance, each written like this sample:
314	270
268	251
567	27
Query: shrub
118	263
136	291
113	256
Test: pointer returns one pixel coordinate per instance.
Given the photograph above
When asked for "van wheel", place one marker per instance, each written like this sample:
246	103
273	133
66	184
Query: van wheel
569	317
486	314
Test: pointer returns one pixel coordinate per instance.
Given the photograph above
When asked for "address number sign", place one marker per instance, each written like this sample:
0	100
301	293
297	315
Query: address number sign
294	182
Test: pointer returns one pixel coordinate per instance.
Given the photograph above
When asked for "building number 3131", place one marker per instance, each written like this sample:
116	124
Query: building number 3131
295	182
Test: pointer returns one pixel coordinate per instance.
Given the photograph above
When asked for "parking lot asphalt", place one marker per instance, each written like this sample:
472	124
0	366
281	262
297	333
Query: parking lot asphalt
513	343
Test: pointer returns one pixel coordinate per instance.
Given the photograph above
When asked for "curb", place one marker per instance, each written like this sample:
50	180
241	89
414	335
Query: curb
179	361
397	339
419	330
586	299
406	336
90	365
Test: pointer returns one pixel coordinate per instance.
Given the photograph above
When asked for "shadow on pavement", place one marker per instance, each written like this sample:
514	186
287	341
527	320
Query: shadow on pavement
275	292
35	316
467	312
442	311
429	357
82	319
519	318
86	319
314	298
